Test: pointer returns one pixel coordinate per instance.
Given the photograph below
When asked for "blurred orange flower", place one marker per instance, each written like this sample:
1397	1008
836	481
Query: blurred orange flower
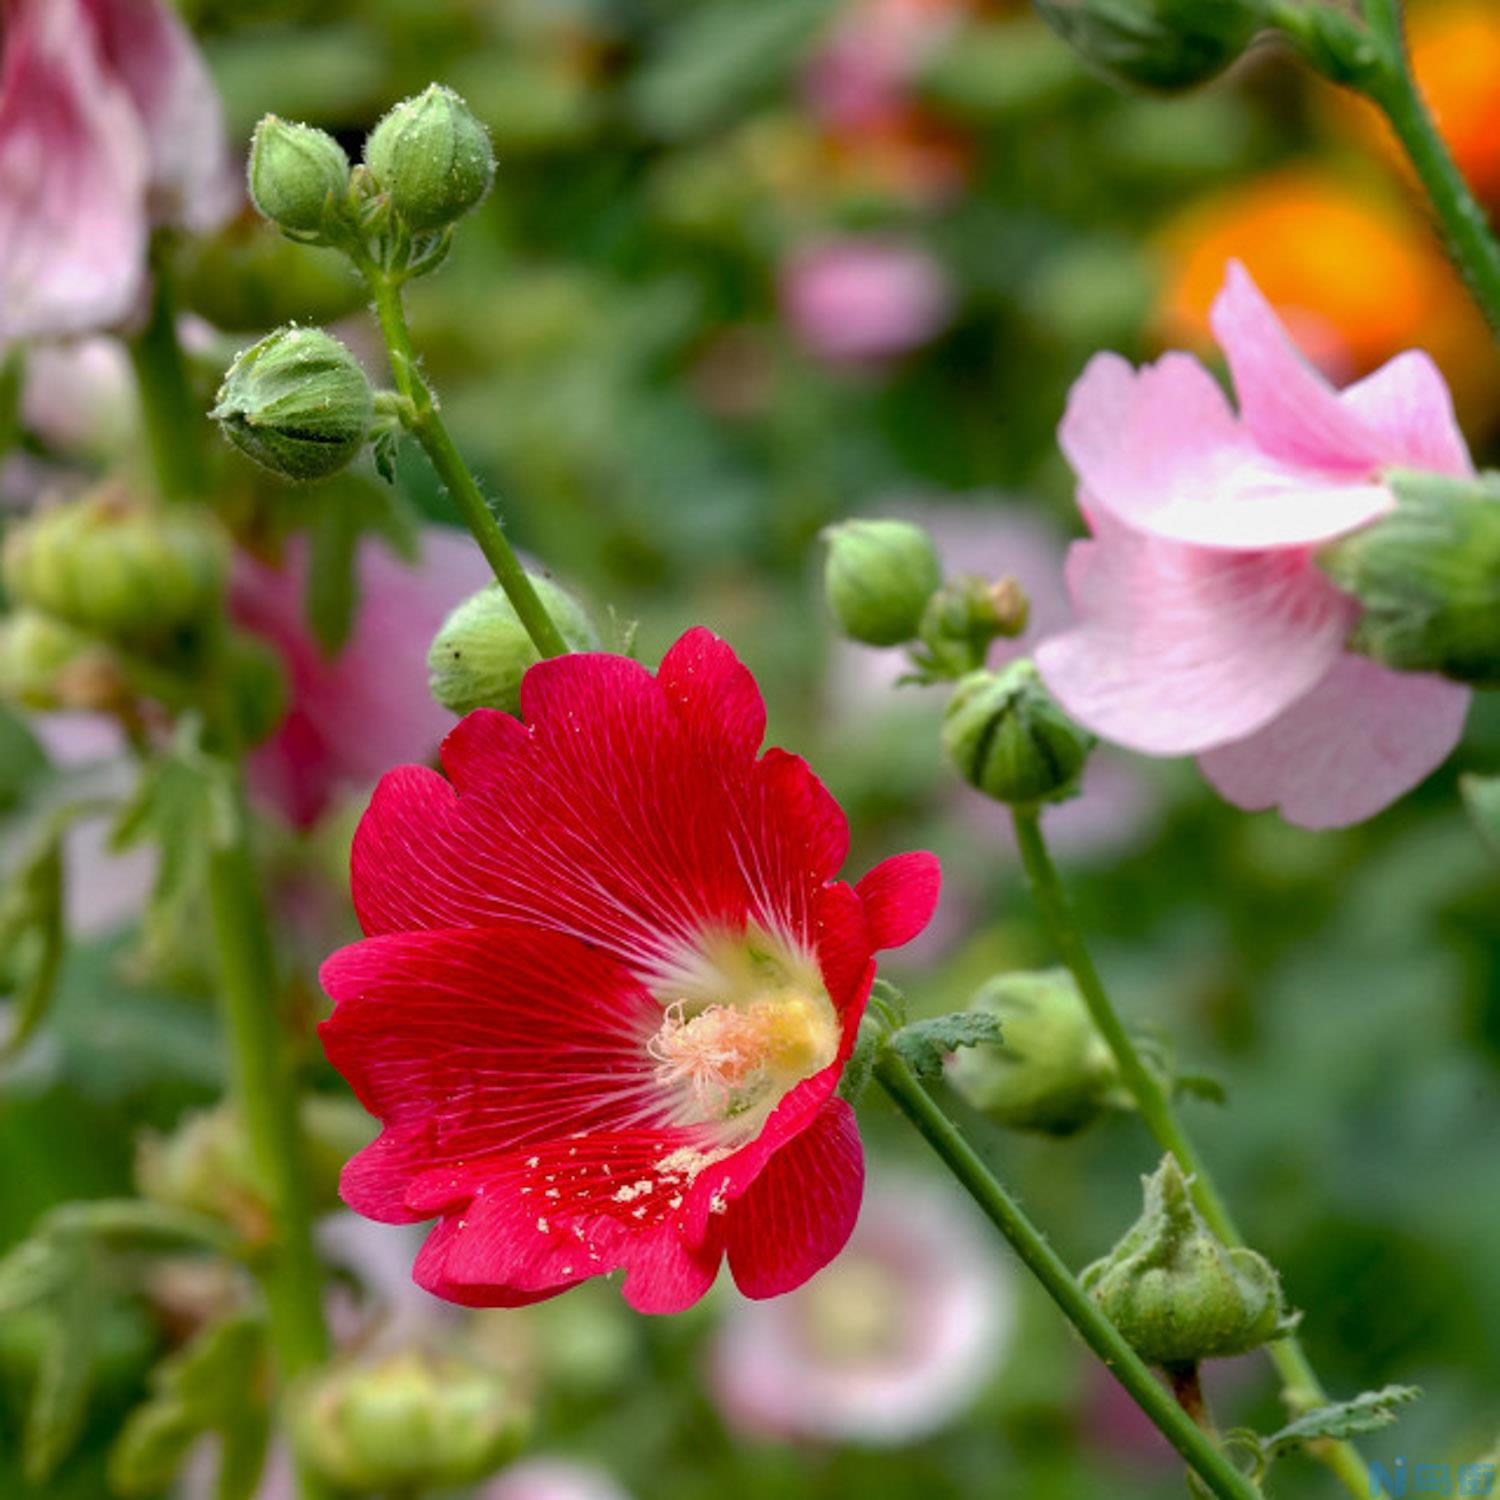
1356	276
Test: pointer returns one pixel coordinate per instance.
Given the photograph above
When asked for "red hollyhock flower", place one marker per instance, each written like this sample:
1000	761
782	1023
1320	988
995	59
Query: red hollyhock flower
609	987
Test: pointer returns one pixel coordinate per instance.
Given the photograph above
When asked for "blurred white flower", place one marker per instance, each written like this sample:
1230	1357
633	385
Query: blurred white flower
547	1478
888	1343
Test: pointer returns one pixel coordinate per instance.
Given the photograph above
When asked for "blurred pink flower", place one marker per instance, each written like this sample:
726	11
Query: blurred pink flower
78	396
354	715
885	1345
108	124
864	301
863	73
545	1478
1205	626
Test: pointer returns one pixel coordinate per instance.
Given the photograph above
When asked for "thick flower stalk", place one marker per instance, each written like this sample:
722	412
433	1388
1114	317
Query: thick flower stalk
609	986
1206	626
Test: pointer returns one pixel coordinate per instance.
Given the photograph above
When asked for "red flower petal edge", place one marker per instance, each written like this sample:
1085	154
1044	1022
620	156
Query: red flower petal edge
609	987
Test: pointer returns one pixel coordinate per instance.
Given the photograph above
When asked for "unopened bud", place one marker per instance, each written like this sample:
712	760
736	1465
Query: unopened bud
45	664
1008	738
1165	45
966	616
297	174
432	157
879	577
297	403
118	569
409	1422
1051	1071
1427	578
482	652
1176	1292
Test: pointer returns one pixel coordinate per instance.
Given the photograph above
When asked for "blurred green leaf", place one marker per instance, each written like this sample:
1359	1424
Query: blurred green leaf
343	513
60	1401
1481	796
1367	1412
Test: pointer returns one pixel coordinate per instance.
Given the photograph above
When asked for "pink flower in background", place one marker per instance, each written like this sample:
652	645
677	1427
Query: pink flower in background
108	124
886	1345
545	1478
79	396
864	301
1205	626
354	715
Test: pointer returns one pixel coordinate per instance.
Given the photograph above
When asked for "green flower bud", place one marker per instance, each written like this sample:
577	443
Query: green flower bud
120	570
297	403
1427	578
432	157
1008	738
408	1422
47	665
1178	1294
297	174
1052	1071
966	616
879	577
479	657
1156	44
247	278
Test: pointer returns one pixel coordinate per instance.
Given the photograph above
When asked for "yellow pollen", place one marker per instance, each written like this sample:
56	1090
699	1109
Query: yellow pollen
730	1056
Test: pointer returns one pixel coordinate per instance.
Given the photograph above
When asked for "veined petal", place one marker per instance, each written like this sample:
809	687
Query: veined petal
900	895
1361	738
1183	648
1406	402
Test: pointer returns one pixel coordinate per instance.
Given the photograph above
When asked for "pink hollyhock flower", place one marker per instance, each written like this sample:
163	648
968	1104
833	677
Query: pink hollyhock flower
609	987
884	1347
862	302
544	1478
108	124
354	714
1205	626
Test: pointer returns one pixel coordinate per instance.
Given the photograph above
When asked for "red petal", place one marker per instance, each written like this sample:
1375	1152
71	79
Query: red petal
713	693
478	744
799	1213
900	895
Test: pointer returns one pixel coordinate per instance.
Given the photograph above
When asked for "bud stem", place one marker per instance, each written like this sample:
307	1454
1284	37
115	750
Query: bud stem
1196	1447
173	417
1187	1388
265	1096
1301	1386
423	421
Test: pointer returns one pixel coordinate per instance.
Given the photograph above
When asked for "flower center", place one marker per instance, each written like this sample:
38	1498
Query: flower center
731	1059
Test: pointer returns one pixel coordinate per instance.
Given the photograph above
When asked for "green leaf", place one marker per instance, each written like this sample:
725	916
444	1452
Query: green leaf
31	928
1200	1086
59	1402
925	1045
1481	796
34	1271
1367	1412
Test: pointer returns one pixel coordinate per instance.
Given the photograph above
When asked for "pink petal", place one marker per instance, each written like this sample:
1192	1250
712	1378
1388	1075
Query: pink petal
1292	412
194	182
1160	450
800	1211
900	895
1360	739
1406	402
1183	648
72	180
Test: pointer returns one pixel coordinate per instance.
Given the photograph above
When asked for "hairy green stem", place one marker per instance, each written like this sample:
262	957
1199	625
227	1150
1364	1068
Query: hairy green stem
265	1097
425	423
1195	1446
1301	1388
175	423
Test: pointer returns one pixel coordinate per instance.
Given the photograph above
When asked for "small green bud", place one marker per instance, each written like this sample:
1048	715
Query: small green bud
1010	740
408	1422
966	616
1165	45
297	174
879	577
47	665
1052	1071
482	652
1178	1294
1427	578
297	403
432	157
120	570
